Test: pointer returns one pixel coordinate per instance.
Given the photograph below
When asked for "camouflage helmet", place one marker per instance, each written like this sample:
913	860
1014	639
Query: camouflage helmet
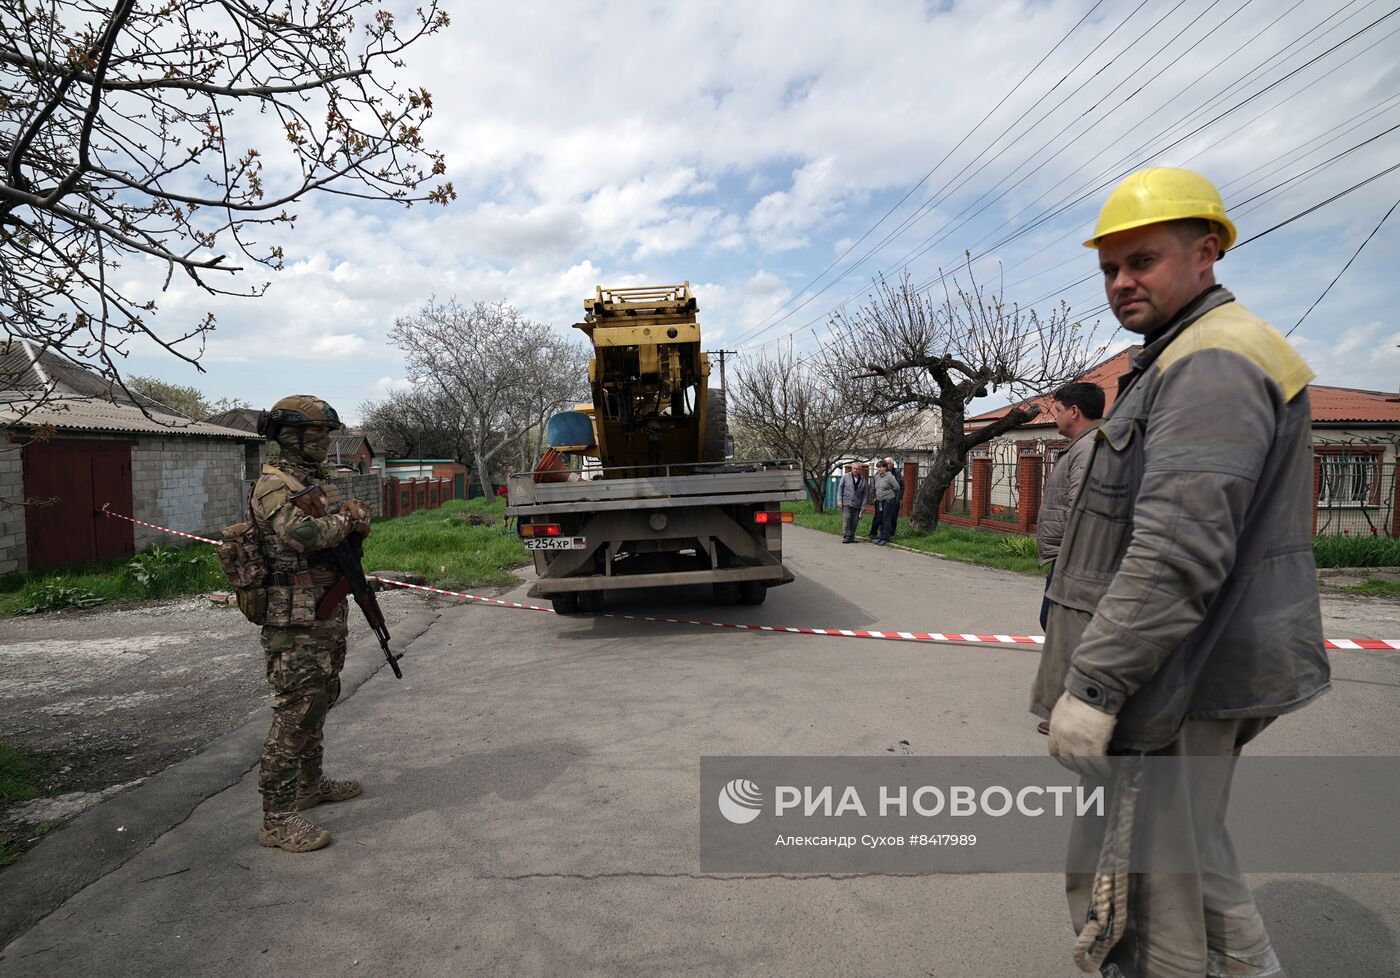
297	411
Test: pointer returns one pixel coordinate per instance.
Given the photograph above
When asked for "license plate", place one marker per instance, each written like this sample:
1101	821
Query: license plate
554	543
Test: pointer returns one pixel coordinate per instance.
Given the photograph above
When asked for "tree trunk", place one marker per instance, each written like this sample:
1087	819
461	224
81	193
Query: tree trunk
483	475
947	463
816	489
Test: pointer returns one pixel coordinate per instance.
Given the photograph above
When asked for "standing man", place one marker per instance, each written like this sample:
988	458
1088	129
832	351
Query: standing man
886	500
1077	410
850	496
892	517
1191	532
297	521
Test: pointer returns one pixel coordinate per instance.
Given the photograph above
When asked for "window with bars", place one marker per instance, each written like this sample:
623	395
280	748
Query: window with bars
1349	479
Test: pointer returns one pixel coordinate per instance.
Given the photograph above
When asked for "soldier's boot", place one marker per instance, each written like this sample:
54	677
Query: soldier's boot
292	832
326	790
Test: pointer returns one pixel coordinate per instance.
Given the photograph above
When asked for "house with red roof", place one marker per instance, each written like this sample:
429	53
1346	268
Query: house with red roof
1356	434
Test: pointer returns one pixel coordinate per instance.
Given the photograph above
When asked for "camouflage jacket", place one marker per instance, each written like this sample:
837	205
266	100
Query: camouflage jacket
290	537
1185	584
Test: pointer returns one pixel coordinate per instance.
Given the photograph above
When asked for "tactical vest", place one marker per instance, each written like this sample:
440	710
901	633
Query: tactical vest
296	581
282	559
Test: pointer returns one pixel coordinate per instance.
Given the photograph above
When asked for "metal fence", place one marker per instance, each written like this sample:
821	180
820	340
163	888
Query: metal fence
1355	494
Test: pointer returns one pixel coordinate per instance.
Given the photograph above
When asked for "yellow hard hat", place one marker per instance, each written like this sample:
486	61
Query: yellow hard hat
1158	194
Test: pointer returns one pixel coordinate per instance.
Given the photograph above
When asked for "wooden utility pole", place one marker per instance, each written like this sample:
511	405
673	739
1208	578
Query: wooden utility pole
722	354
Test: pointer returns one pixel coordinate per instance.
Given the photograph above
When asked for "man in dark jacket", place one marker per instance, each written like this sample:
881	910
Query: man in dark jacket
1077	410
1184	614
850	497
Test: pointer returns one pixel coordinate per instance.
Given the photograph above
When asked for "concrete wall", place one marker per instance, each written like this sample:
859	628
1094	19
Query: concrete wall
190	484
365	488
12	539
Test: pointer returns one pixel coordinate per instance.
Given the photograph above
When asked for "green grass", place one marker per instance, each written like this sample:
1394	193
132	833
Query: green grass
1009	552
444	547
19	776
1017	553
1373	587
1349	551
438	543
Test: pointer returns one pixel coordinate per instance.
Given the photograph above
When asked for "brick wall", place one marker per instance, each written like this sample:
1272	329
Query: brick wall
12	540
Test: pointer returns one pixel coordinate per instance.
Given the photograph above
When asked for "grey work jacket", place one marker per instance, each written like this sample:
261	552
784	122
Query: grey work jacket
1060	489
1185	584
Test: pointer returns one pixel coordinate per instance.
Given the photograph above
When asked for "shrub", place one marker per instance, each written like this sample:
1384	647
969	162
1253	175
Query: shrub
55	593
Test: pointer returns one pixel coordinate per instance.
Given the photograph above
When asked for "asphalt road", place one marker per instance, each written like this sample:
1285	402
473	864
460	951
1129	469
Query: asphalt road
531	803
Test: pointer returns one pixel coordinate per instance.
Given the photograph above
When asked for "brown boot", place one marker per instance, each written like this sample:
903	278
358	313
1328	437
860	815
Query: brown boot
292	832
326	790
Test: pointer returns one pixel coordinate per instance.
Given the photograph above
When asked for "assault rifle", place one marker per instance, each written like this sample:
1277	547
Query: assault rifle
349	556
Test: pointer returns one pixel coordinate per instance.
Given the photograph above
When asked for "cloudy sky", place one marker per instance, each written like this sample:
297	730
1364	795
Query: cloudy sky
746	147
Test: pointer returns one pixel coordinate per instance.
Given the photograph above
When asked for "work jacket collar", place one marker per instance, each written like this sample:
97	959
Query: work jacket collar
1211	298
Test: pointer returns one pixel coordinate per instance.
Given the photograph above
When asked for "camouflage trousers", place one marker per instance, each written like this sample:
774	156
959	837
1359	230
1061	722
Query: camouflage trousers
303	669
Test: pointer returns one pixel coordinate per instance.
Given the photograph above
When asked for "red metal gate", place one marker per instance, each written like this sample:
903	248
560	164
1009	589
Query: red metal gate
78	476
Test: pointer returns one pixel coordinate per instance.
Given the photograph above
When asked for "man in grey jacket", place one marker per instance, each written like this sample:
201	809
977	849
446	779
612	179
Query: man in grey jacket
1184	613
850	496
1077	410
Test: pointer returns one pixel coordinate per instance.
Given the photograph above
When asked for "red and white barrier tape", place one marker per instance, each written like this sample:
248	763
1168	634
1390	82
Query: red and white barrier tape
1334	644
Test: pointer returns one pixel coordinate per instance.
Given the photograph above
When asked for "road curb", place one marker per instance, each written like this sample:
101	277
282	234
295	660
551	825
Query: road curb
105	836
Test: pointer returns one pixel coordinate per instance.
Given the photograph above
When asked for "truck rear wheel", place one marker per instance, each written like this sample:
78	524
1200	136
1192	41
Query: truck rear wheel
565	603
726	592
753	592
716	426
590	602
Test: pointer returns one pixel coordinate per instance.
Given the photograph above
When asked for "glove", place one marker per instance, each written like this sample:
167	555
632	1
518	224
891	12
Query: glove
1079	736
359	515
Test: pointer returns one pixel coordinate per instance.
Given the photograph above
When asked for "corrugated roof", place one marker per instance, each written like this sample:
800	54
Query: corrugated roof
83	401
81	414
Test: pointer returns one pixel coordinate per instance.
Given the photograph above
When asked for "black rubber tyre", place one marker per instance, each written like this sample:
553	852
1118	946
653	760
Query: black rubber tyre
716	426
565	603
727	592
590	602
753	592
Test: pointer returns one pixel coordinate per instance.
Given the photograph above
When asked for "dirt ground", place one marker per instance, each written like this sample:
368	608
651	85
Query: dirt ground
103	698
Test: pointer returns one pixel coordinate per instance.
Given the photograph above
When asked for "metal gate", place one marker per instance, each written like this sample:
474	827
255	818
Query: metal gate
65	484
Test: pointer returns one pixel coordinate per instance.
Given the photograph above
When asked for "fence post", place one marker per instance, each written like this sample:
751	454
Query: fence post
911	486
1317	488
1394	499
1028	492
981	486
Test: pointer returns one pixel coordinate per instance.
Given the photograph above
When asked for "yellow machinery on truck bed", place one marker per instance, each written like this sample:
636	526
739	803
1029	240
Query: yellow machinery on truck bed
661	508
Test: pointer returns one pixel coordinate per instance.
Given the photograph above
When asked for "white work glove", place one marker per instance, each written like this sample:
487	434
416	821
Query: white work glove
1079	736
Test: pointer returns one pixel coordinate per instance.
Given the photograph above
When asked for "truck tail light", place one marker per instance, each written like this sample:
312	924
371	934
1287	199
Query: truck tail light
539	529
762	518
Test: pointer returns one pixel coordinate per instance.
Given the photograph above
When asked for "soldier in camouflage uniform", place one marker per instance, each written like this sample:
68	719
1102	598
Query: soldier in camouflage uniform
304	653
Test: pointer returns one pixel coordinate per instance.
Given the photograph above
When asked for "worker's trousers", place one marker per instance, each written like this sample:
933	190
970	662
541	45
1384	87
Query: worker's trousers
1176	921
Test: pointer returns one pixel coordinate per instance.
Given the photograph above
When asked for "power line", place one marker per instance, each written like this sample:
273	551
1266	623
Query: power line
1080	195
1345	267
924	179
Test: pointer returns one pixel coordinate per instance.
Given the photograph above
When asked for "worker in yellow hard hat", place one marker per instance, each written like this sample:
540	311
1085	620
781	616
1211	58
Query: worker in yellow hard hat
1193	528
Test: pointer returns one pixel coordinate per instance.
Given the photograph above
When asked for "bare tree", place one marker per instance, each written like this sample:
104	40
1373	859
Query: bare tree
416	423
503	375
176	132
791	409
927	354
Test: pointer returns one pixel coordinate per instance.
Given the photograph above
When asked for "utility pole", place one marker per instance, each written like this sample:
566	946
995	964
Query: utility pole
722	354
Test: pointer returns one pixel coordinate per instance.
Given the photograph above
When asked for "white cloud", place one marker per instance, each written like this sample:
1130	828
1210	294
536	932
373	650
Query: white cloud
744	146
337	345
